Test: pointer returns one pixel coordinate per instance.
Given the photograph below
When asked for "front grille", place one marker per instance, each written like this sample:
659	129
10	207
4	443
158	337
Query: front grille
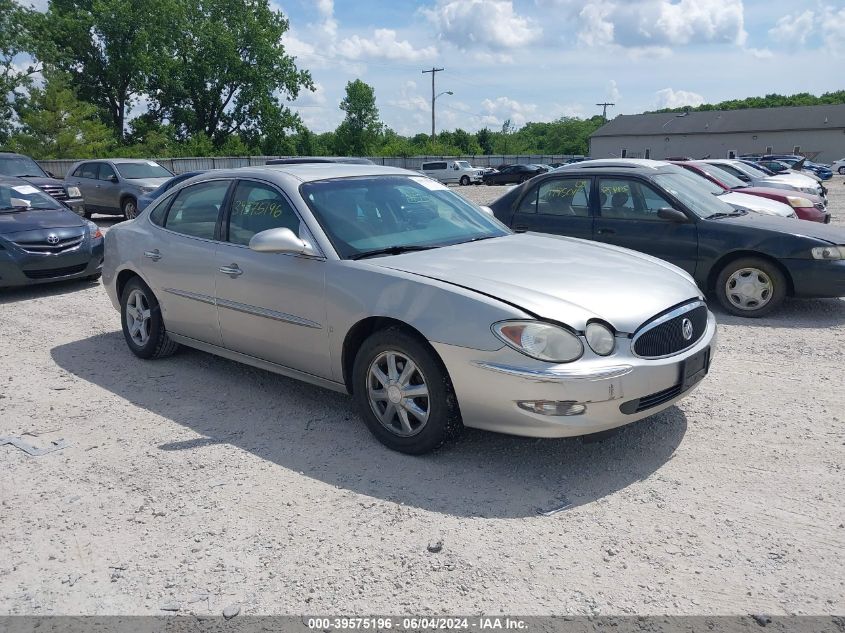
651	401
666	337
56	191
55	272
42	246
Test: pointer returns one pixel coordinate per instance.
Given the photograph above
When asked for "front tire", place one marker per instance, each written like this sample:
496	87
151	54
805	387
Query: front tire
464	181
842	170
404	393
751	287
129	207
143	326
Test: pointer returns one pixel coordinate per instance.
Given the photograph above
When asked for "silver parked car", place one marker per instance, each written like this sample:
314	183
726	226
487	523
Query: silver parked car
384	284
114	186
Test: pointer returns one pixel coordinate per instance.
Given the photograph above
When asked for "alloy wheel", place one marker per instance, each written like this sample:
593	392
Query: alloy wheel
138	319
749	289
130	210
398	393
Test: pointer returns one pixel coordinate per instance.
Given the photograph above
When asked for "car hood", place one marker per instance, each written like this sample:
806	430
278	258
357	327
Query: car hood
38	219
796	180
148	182
40	181
817	230
772	191
757	203
561	279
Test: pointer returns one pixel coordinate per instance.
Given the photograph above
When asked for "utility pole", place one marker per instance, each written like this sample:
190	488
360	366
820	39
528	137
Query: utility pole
433	72
604	110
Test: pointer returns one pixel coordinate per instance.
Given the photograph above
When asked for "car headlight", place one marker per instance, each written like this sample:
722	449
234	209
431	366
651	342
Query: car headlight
600	338
811	190
798	202
148	189
542	341
73	192
829	252
93	230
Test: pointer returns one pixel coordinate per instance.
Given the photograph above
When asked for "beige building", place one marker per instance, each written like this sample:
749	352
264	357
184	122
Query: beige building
817	132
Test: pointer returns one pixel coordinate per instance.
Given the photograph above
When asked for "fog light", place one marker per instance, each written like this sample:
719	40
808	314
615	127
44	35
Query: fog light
552	407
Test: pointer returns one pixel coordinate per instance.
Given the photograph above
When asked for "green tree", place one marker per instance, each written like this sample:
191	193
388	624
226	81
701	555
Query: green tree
108	48
15	41
228	72
485	140
359	132
55	124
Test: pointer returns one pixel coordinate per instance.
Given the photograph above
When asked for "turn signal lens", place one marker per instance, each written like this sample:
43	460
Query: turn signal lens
542	341
94	230
600	339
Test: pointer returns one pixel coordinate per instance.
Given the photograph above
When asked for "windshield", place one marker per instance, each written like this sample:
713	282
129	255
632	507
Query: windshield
24	196
464	164
748	169
19	166
377	212
721	175
136	171
687	188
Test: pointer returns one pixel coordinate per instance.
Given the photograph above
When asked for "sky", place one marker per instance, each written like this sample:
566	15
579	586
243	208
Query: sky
538	60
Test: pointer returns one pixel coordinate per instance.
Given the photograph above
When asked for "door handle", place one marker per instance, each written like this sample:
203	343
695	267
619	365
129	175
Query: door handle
231	270
153	255
606	231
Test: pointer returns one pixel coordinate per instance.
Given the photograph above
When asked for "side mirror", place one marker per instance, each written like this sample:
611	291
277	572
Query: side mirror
486	210
673	215
278	241
51	174
113	178
744	177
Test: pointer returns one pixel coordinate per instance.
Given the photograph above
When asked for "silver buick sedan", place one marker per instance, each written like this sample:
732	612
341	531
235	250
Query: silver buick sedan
384	284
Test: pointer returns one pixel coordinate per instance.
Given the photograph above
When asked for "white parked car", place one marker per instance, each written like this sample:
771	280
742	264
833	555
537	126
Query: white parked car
838	166
753	176
455	171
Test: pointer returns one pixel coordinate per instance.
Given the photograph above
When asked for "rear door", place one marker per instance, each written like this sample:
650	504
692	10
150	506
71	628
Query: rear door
560	206
179	260
627	216
270	305
85	177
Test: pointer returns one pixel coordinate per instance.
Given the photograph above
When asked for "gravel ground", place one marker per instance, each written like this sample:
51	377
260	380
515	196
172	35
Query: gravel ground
195	483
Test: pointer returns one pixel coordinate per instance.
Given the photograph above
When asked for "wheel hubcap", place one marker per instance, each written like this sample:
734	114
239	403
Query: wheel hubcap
749	289
398	393
138	318
130	210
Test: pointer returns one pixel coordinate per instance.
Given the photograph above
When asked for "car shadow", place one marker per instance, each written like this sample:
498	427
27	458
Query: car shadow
317	433
39	291
794	313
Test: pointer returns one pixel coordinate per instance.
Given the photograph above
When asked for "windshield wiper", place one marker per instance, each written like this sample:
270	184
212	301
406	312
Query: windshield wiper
734	214
479	238
391	250
16	208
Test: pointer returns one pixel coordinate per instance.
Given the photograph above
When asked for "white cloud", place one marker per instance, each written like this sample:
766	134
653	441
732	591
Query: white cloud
669	98
661	23
383	44
833	30
498	110
491	24
793	29
612	91
308	99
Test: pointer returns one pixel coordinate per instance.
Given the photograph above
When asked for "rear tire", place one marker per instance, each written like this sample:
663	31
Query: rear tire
143	326
129	207
751	287
404	393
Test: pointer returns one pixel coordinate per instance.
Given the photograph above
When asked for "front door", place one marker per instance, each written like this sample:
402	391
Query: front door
270	305
628	217
560	206
106	192
85	177
179	261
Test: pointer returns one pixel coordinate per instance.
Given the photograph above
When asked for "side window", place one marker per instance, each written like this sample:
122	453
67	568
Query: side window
529	202
195	209
427	166
564	197
630	200
159	210
87	170
257	207
106	171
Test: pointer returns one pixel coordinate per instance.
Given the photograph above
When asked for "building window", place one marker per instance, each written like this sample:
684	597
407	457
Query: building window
769	149
732	153
624	153
796	150
648	153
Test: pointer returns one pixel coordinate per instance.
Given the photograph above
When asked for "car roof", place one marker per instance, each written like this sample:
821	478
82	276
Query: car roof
301	160
632	165
308	172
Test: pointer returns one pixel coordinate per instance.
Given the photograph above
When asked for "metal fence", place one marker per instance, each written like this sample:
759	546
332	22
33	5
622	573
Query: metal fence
59	168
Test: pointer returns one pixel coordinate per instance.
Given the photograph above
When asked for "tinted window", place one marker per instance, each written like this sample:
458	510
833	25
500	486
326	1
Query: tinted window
564	197
19	166
432	166
630	200
195	209
86	170
147	169
257	207
529	202
106	171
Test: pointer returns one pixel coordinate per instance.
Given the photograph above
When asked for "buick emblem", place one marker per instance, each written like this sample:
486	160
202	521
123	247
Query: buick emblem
52	238
686	329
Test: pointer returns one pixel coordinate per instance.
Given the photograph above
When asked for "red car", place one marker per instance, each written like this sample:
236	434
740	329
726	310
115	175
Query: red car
814	213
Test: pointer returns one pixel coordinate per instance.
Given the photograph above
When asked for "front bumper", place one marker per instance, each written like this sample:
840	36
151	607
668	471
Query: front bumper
21	268
817	278
488	386
77	205
813	214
